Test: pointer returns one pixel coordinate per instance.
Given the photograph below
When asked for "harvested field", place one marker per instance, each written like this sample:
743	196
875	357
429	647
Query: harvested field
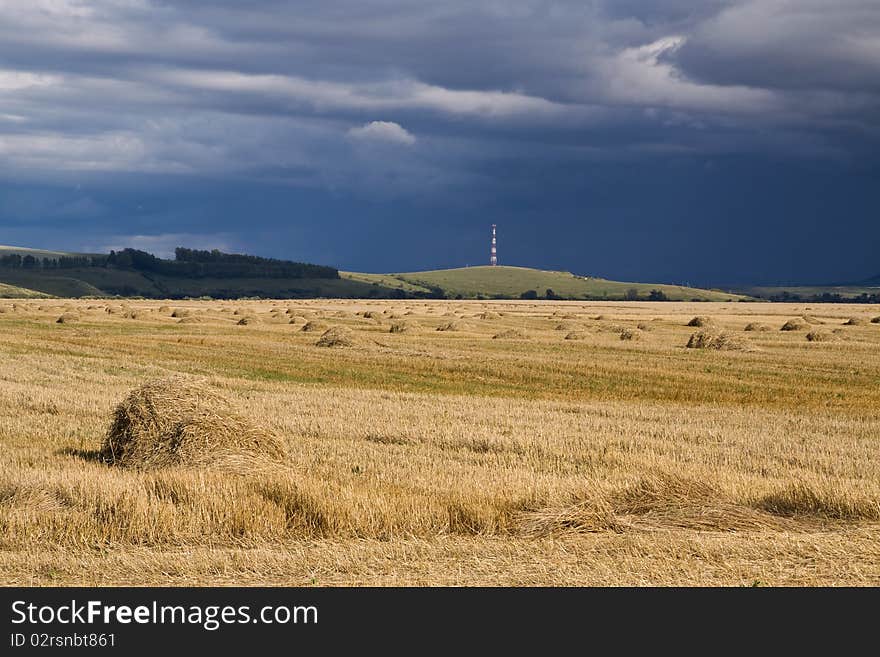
183	449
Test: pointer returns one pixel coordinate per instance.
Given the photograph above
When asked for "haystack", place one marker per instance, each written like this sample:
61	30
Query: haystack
700	321
403	327
180	421
180	313
247	319
753	326
577	335
820	336
67	318
794	325
876	320
489	314
313	326
719	340
628	334
450	326
511	334
338	336
854	321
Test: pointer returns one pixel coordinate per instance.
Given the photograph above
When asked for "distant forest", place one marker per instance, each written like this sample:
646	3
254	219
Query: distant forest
187	263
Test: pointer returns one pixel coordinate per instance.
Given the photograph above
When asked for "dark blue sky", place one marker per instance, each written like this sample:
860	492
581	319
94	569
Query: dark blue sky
708	142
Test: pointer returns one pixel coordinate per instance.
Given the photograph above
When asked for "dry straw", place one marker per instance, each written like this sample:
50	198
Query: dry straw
179	421
718	340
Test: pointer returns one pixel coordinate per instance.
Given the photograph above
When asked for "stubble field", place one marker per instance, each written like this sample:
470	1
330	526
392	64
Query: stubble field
549	443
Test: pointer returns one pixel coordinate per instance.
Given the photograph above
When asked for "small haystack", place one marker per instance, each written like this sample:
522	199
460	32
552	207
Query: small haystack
180	313
753	326
628	334
794	325
855	321
489	314
642	326
876	320
451	326
180	421
247	319
67	318
577	335
700	321
337	336
820	336
313	326
511	334
403	327
718	340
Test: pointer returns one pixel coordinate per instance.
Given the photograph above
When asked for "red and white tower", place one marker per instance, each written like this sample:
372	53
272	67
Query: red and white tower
493	252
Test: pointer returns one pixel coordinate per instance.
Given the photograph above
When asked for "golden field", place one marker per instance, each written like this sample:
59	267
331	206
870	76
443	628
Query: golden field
585	444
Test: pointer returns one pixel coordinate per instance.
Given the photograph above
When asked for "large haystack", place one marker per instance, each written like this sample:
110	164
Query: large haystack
179	421
718	340
338	336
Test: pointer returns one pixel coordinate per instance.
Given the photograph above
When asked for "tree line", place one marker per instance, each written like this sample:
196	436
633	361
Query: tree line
188	263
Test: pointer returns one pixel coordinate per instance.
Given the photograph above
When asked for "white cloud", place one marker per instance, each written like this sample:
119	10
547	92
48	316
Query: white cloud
383	131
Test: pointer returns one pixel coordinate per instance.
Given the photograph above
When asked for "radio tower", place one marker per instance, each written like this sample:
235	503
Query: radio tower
493	252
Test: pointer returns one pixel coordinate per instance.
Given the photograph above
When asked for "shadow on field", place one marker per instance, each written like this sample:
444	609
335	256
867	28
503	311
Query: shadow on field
91	455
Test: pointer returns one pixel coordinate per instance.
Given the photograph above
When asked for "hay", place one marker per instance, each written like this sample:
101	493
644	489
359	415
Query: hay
876	320
180	421
67	318
854	321
794	325
313	326
403	327
511	334
628	334
191	320
752	326
700	321
718	340
577	335
180	313
247	319
820	336
489	315
338	336
451	326
642	326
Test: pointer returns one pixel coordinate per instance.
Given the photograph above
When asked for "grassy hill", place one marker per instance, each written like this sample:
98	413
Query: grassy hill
15	292
170	279
511	282
868	291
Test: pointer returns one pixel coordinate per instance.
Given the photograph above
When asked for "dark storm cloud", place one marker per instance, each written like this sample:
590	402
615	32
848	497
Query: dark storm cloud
392	111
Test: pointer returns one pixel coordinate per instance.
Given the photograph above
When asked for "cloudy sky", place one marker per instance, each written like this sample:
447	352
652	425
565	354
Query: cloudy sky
707	141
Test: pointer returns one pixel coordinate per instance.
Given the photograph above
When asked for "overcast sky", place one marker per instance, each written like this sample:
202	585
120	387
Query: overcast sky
692	141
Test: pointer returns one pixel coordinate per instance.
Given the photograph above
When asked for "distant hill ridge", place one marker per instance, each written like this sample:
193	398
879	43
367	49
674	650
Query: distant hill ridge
215	274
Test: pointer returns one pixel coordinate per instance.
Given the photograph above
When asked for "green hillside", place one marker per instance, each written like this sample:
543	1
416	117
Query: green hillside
15	292
869	292
512	282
